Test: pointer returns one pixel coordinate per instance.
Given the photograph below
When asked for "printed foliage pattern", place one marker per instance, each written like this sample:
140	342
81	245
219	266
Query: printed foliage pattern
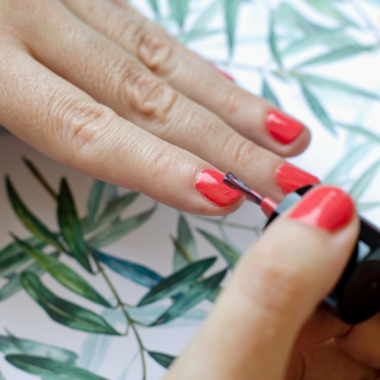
26	262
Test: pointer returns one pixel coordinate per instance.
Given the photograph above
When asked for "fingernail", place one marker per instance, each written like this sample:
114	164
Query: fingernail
282	127
325	207
228	76
210	184
291	178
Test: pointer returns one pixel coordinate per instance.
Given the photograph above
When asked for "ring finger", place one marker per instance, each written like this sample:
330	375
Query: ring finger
117	79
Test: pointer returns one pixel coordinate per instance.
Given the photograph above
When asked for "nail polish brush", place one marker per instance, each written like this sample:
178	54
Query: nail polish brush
356	296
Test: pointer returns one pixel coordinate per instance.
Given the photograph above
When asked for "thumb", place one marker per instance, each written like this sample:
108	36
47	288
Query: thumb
275	288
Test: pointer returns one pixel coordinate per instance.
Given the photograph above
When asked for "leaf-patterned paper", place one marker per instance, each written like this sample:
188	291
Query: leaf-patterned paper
70	225
12	345
268	94
226	250
120	229
31	222
185	249
317	108
164	359
94	198
135	272
113	210
196	294
62	311
178	281
63	274
50	369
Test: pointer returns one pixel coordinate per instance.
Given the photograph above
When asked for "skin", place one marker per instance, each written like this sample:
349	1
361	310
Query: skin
267	324
97	87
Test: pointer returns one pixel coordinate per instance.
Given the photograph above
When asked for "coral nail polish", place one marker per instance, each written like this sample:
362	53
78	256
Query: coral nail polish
326	207
226	75
282	127
210	184
291	178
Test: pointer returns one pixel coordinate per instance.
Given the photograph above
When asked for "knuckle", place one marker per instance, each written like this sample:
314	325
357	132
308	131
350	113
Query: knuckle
150	96
232	102
83	125
242	152
155	53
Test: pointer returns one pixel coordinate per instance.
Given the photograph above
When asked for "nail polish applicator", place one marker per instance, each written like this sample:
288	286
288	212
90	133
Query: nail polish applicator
356	296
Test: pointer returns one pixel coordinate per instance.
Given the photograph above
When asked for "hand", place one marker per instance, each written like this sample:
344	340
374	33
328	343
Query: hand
266	325
94	85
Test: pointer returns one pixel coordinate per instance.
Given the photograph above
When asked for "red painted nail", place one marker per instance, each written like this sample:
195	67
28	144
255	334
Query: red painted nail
210	185
291	178
228	76
325	207
283	127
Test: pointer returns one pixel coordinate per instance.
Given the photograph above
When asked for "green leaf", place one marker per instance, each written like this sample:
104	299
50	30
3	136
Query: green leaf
231	10
62	311
49	368
336	55
94	351
364	181
94	198
179	10
360	131
327	7
288	16
14	285
12	345
207	15
318	109
198	34
113	210
13	249
188	252
135	272
2	377
367	206
9	265
273	40
178	281
196	294
154	5
350	159
307	42
226	250
31	222
164	359
40	178
63	274
120	229
70	225
338	86
268	94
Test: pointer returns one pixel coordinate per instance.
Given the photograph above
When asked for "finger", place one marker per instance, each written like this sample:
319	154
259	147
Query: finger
362	342
116	79
252	116
274	290
321	327
67	125
327	362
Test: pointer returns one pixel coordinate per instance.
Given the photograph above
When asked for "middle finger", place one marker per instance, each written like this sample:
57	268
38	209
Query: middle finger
117	79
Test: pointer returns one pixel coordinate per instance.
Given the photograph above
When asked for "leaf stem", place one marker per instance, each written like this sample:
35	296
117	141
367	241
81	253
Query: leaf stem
122	305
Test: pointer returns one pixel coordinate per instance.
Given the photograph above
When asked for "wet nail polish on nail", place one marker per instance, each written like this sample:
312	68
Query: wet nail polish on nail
210	184
291	178
282	127
325	207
